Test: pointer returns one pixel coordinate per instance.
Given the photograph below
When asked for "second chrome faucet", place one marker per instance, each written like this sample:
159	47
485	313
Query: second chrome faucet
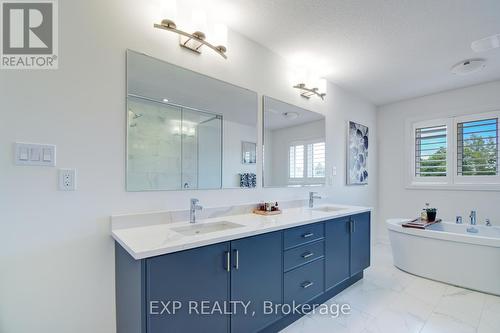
192	210
312	196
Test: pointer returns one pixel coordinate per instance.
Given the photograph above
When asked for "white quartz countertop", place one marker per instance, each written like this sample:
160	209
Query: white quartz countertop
153	240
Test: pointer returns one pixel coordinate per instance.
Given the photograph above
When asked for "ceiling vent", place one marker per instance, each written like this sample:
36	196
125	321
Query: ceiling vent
468	66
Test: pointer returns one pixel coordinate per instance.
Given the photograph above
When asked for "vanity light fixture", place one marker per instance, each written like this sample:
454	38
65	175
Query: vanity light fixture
193	41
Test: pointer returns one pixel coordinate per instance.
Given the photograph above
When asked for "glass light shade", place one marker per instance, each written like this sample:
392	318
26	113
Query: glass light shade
321	86
219	37
300	75
166	9
198	21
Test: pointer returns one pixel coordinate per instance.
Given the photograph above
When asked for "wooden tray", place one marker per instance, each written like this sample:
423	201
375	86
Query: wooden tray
264	212
419	224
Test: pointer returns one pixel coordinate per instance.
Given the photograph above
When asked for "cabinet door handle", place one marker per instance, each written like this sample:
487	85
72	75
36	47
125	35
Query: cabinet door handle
307	235
353	225
228	261
350	227
236	259
306	255
306	284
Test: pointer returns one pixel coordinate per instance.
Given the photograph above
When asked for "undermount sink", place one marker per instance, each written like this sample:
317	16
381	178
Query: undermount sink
328	209
206	228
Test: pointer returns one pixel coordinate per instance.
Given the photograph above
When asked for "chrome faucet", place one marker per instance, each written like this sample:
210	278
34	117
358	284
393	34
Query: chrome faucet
473	217
458	220
488	223
192	210
312	196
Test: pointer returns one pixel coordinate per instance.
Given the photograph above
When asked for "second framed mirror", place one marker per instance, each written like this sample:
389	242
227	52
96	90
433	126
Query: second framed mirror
294	145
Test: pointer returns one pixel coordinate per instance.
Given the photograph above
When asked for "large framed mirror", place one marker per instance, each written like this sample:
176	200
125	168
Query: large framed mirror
294	150
185	130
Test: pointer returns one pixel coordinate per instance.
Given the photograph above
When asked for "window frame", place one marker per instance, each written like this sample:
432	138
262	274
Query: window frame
452	181
478	179
441	180
305	180
304	149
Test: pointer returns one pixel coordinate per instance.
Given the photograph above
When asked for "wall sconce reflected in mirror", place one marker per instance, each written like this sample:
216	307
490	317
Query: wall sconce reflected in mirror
310	83
307	92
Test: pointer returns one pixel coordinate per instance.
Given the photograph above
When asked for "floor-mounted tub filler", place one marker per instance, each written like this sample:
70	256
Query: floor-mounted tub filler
447	252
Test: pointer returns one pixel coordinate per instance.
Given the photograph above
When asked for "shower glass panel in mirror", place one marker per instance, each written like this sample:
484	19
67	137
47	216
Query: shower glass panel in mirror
186	130
294	145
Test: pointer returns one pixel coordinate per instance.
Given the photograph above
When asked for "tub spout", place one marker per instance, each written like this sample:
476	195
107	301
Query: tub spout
473	217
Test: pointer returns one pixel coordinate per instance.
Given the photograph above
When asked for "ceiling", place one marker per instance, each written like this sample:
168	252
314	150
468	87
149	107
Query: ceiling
384	50
274	117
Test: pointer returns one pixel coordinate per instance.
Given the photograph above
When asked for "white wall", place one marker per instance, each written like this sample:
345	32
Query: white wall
56	254
397	201
234	134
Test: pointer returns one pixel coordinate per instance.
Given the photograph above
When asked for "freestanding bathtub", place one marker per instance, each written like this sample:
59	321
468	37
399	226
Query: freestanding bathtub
446	252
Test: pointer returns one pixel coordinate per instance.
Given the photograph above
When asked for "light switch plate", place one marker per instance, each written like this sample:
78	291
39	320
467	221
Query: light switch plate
34	154
67	179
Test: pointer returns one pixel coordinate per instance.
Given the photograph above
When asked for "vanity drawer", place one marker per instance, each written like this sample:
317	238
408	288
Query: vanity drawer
304	283
303	254
302	235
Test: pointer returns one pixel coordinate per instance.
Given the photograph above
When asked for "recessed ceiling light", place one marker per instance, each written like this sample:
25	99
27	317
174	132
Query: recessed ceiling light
468	66
165	100
486	44
290	115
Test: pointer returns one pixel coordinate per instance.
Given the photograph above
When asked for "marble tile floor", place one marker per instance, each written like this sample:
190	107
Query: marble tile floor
389	300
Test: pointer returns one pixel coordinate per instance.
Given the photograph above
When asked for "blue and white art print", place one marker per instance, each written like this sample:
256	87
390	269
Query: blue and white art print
357	154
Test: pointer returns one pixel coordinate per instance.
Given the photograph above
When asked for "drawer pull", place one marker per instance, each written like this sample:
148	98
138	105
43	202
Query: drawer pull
306	284
307	255
307	235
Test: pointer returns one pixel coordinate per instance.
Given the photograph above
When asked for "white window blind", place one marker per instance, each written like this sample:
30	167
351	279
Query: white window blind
431	151
477	148
296	159
316	160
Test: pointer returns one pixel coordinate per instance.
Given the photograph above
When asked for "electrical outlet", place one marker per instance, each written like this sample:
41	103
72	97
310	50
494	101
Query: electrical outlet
67	179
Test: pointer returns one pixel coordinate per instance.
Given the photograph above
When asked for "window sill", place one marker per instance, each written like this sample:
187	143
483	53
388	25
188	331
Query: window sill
453	187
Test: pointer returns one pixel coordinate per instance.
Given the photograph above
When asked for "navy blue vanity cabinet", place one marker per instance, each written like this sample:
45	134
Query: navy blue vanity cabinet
337	248
305	264
199	274
256	276
360	242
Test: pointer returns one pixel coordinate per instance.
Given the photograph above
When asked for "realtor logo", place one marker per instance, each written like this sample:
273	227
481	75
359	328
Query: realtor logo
29	34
